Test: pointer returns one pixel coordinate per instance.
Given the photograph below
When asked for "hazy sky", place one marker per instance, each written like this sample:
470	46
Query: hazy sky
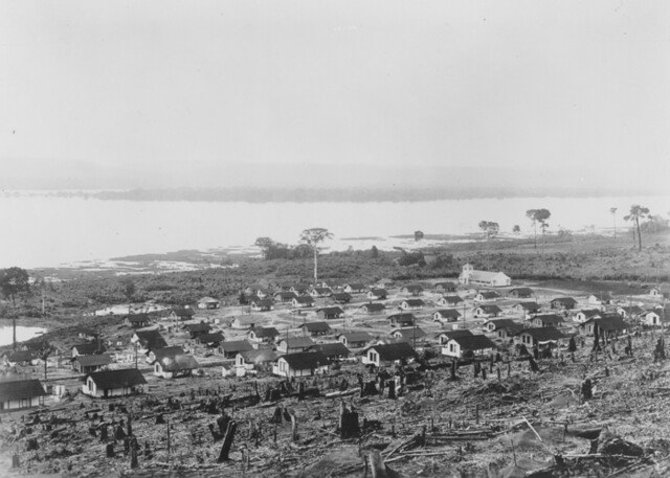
170	93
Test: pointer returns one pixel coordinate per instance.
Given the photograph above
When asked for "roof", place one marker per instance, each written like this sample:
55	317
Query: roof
394	351
502	323
265	332
151	339
211	338
378	292
330	310
199	327
322	290
445	285
474	342
341	296
588	313
123	378
453	299
489	294
259	356
178	362
373	306
180	311
564	300
448	313
529	306
603	296
208	300
168	352
138	318
356	336
306	360
489	308
304	299
335	349
265	302
355	286
20	389
484	276
233	346
315	327
610	323
409	333
451	334
18	356
633	309
543	334
413	287
93	360
552	319
285	295
88	348
414	302
522	291
298	342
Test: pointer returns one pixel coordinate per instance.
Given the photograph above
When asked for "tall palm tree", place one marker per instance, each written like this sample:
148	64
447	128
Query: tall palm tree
313	237
613	212
637	212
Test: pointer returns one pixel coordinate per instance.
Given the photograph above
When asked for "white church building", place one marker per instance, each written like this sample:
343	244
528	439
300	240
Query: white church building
470	276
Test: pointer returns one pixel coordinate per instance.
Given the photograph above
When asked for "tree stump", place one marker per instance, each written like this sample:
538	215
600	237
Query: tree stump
227	442
110	450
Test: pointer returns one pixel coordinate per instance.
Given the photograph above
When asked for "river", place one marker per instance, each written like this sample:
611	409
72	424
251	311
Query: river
22	333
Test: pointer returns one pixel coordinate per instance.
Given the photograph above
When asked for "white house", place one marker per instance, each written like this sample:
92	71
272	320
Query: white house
487	311
449	300
587	314
486	295
388	354
302	364
178	365
651	318
468	346
113	383
412	304
470	276
208	303
446	315
526	309
294	345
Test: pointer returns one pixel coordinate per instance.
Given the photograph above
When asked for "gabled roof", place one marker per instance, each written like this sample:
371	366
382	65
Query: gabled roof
409	333
341	296
199	327
178	363
452	299
404	317
489	294
285	295
355	286
265	332
502	323
263	303
451	334
450	313
551	319
394	351
603	296
18	356
529	306
315	327
151	339
474	342
304	299
322	290
522	291
490	308
181	311
305	360
564	300
233	346
543	334
483	276
211	338
589	313
298	342
445	286
93	360
89	348
632	309
335	349
124	378
378	292
353	337
20	389
138	318
373	306
413	288
330	311
168	352
208	300
259	356
609	323
414	302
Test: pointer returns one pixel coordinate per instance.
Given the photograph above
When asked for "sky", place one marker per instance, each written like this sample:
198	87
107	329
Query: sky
164	93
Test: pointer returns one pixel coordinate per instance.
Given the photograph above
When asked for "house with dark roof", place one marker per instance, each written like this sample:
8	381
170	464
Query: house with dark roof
157	354
447	335
330	313
19	394
653	318
486	295
609	326
547	320
294	344
468	346
181	313
405	319
317	292
388	354
412	289
341	297
211	339
372	308
230	348
446	315
354	288
242	322
88	348
261	305
90	363
19	357
354	340
255	358
445	287
377	294
412	304
197	329
137	321
449	300
630	311
487	311
113	383
302	301
285	296
539	336
263	335
300	289
563	303
302	364
175	365
209	303
587	314
494	324
333	351
148	340
526	309
315	329
521	293
410	335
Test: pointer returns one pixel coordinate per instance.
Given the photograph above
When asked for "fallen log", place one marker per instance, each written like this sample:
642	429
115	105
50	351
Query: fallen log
351	391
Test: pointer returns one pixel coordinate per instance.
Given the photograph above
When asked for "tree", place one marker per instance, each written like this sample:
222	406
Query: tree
490	228
516	229
418	235
538	216
13	282
613	213
313	237
637	212
128	288
374	252
266	244
45	351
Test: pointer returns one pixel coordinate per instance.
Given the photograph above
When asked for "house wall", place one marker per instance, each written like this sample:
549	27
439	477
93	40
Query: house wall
23	403
452	349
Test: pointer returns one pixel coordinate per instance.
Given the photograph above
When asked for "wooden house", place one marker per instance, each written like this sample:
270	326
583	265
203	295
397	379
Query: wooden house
88	348
165	351
377	294
263	335
487	311
609	327
211	339
412	289
20	394
244	322
302	302
630	311
19	357
410	335
334	351
470	276
209	303
197	329
302	364
521	293
600	299
90	363
354	288
468	346
652	318
447	335
402	320
231	348
175	365
261	305
182	313
317	292
388	354
294	345
587	314
449	300
446	315
341	297
526	309
494	324
539	336
256	358
138	321
486	295
315	329
563	303
445	287
547	320
113	383
354	339
330	313
285	296
412	304
148	340
372	308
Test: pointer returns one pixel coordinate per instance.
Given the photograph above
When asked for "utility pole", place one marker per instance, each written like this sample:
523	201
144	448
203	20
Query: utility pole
136	355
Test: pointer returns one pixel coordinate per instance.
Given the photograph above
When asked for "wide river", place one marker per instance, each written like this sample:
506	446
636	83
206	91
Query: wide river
41	231
22	333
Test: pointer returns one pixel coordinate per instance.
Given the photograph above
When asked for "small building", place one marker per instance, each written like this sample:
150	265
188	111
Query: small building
600	298
563	303
446	336
487	311
302	301
377	294
413	289
547	320
315	329
410	335
354	288
255	358
180	365
468	346
261	305
354	340
652	318
521	293
449	300
412	304
539	336
334	351
211	339
302	364
330	313
372	308
609	327
446	315
317	292
402	320
293	345
300	289
341	297
19	357
182	313
587	314
630	311
445	287
231	348
113	383
285	296
197	329
659	293
388	354
494	324
526	309
90	363
263	335
88	348
509	330
209	303
138	321
171	351
148	340
243	322
20	394
487	295
470	276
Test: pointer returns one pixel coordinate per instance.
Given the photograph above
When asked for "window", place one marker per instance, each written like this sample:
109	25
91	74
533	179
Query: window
451	348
